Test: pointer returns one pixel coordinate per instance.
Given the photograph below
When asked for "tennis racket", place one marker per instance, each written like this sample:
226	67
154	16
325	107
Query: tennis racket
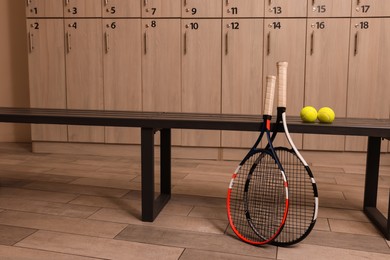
257	200
303	195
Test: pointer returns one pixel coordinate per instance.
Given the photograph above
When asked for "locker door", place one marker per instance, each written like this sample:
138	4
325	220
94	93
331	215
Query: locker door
284	40
122	74
161	67
326	81
285	8
83	8
121	8
243	8
201	75
46	60
329	8
201	8
43	8
370	8
369	66
84	73
242	74
161	8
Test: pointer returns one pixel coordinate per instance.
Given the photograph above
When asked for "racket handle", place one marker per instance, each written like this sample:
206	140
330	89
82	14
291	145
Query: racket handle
282	83
269	95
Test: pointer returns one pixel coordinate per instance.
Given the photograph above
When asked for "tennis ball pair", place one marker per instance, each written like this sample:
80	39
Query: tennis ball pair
324	115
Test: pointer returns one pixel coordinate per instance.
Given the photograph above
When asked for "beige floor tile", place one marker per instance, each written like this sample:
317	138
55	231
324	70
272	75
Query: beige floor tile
44	207
98	247
193	254
32	176
342	214
105	183
51	196
304	251
199	200
10	235
61	224
202	188
104	202
347	241
52	165
130	216
353	227
322	224
38	168
195	240
207	212
125	176
18	253
77	189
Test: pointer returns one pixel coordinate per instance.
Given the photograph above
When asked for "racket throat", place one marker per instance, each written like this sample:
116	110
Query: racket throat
280	111
267	122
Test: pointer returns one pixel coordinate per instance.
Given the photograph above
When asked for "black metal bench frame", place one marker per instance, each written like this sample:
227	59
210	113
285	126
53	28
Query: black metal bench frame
151	122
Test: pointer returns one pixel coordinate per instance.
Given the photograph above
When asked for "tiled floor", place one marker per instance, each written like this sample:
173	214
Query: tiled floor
56	206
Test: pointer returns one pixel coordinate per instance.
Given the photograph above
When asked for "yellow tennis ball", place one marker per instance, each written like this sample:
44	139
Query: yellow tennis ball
308	114
326	115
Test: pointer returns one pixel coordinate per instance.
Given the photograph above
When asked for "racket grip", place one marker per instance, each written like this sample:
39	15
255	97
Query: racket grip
269	95
282	83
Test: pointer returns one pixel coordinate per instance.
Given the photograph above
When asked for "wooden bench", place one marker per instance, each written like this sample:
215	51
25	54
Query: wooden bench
152	122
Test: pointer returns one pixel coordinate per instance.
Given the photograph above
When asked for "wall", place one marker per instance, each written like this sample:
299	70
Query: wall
14	90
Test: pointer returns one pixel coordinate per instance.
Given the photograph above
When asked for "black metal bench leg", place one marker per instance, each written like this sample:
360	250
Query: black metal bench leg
371	187
151	207
165	155
147	173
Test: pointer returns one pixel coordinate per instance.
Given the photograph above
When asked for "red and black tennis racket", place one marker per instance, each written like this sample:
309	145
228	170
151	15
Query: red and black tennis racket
257	200
303	195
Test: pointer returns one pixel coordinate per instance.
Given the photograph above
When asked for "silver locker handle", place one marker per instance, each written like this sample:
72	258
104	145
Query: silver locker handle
312	43
107	41
28	2
66	2
355	51
105	2
185	42
269	43
145	2
68	42
227	43
31	42
146	43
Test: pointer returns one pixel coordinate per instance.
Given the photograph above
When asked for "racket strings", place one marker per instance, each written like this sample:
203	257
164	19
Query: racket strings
259	198
301	198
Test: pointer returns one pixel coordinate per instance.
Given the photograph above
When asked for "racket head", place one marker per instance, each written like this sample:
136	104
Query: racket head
257	200
303	198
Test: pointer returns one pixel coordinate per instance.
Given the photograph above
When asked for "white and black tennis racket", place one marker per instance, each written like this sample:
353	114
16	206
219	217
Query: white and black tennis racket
257	200
303	195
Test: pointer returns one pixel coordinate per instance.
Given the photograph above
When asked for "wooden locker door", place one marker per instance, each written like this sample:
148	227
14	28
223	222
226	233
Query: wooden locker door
369	77
122	74
83	8
201	75
284	40
243	8
329	8
84	74
327	47
46	60
44	8
369	8
285	8
201	8
161	8
242	74
121	8
161	67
